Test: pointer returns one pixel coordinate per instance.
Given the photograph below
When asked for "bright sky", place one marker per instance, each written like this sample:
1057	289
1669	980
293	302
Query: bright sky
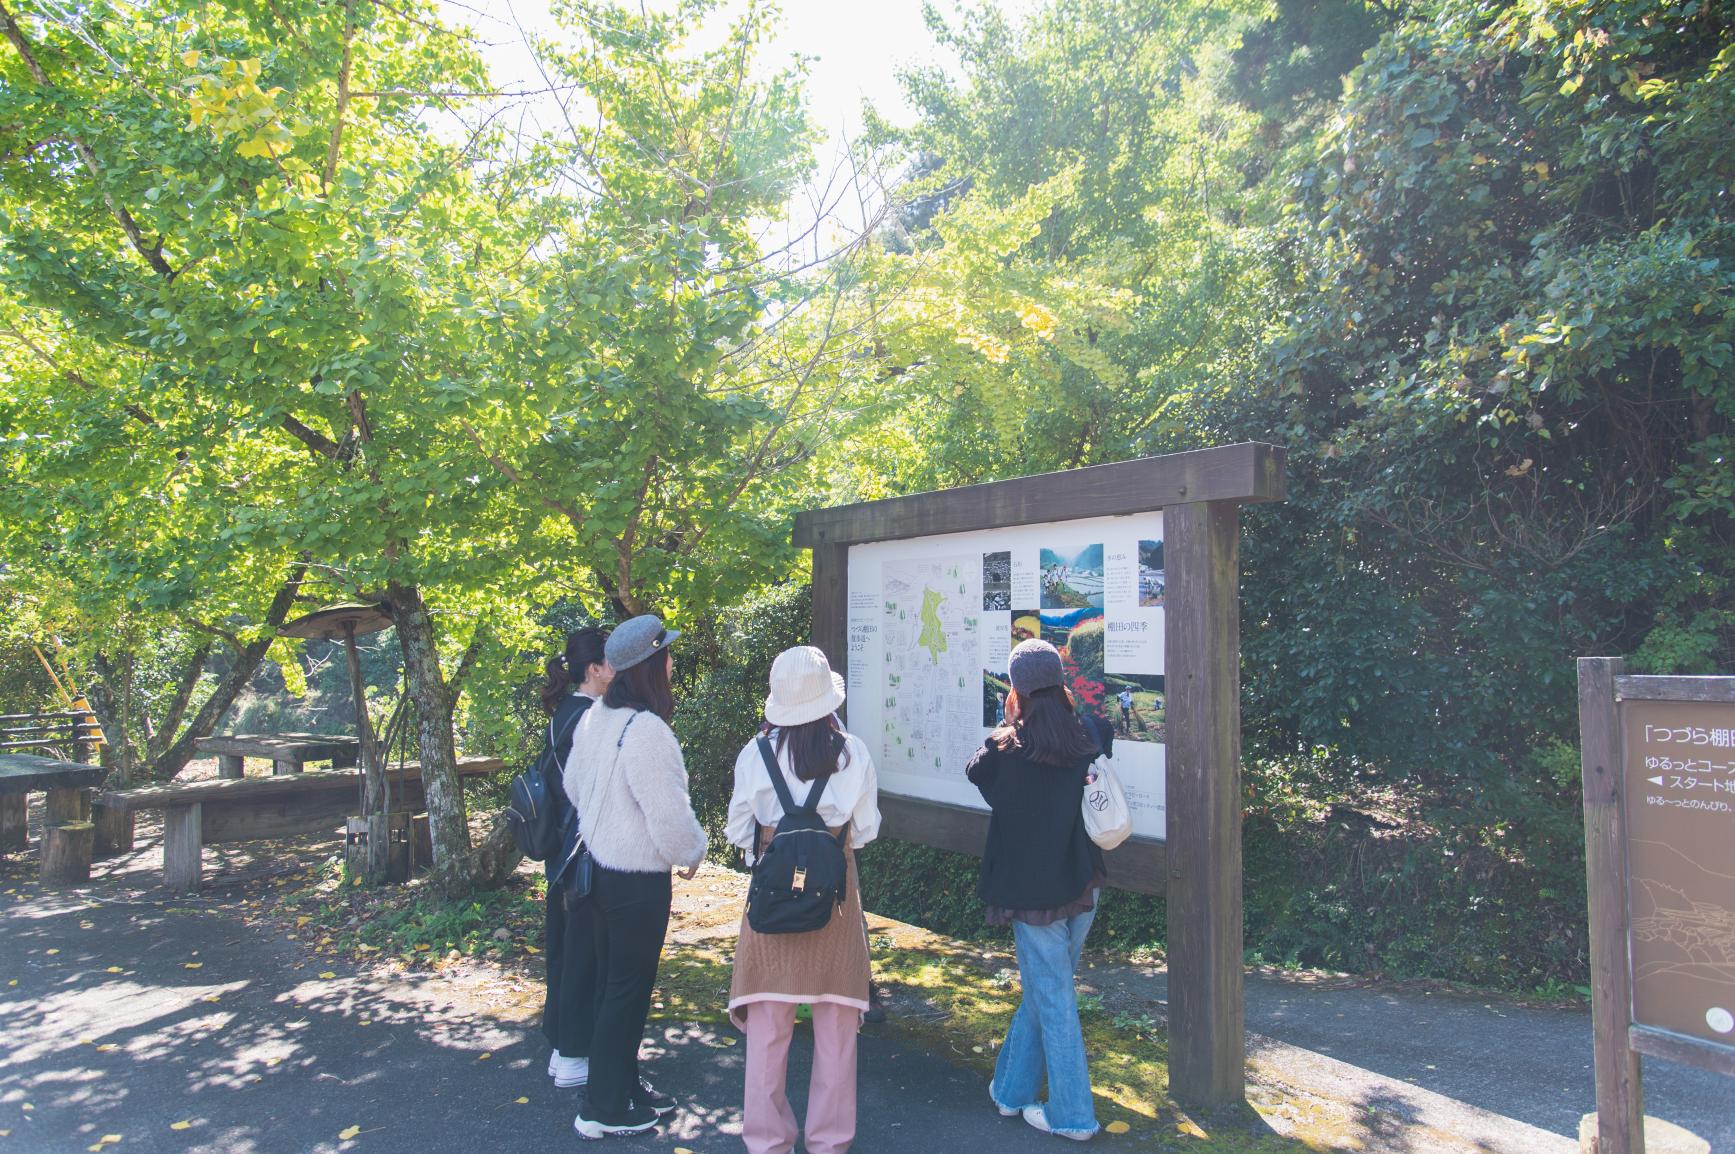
858	49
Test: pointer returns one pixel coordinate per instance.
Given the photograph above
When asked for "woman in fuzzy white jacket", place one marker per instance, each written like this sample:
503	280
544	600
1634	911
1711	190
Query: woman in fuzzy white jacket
627	780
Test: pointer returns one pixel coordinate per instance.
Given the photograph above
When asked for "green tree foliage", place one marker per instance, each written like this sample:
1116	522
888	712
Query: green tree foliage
1470	263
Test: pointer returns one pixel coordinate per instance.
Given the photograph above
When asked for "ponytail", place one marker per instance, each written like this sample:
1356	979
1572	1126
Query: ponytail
558	686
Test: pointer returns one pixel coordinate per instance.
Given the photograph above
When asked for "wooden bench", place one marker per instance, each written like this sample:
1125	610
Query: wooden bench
199	813
68	837
287	752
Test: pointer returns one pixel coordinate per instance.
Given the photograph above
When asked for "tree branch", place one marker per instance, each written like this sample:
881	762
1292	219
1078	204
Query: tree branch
153	254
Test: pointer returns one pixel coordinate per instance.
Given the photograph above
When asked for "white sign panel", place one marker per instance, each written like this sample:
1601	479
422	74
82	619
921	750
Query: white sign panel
932	619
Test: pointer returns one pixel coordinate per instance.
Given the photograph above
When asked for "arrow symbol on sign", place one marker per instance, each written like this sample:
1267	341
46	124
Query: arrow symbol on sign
1657	780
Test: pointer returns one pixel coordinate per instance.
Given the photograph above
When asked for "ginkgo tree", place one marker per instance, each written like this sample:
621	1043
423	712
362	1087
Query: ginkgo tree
284	336
256	257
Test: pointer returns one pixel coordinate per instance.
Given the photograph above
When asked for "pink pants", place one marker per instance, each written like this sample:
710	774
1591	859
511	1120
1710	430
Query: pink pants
767	1122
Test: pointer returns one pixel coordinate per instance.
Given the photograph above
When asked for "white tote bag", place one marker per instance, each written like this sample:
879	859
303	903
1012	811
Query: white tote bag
1106	816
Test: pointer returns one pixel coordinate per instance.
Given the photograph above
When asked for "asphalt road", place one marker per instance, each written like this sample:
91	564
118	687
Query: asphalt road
131	1019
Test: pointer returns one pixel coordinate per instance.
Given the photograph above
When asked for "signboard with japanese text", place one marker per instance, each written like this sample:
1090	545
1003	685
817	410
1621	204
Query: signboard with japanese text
933	619
1679	782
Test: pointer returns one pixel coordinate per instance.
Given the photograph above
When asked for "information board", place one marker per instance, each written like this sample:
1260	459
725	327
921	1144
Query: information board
1679	781
931	621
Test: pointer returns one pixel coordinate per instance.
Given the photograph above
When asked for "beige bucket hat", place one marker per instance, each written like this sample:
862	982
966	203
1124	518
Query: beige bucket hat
803	687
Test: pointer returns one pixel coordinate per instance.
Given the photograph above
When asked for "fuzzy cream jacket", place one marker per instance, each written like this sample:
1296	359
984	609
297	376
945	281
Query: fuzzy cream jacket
626	778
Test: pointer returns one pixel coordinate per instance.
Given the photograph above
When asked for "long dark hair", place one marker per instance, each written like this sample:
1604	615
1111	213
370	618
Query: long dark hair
583	650
816	748
1047	730
643	686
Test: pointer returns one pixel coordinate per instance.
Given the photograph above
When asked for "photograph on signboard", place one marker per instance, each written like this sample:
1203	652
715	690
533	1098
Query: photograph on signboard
1072	578
1151	573
997	580
1135	704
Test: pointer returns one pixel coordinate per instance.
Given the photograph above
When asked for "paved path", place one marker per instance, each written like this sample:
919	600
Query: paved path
260	1054
1527	1063
132	1013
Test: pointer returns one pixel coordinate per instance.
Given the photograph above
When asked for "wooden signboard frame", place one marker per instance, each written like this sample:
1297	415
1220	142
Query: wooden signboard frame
1198	868
1603	687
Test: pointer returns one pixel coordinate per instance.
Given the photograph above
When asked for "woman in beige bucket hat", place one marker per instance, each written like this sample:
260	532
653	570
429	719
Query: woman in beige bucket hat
826	969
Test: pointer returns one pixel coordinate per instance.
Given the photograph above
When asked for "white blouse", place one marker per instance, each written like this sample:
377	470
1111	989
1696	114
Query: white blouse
851	797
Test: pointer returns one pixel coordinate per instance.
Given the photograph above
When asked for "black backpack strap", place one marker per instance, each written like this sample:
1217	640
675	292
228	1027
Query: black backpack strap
777	782
813	794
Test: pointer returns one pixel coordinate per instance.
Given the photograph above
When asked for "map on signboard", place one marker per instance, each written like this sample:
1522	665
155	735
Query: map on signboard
1680	820
931	630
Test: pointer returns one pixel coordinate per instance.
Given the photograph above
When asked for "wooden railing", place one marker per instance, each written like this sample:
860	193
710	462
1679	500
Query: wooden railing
67	736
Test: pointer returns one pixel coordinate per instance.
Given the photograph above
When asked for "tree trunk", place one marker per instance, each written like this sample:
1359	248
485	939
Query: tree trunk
448	822
118	754
184	688
180	751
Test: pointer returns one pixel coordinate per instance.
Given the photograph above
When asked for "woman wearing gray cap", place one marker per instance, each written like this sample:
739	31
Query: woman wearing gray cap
628	782
1040	874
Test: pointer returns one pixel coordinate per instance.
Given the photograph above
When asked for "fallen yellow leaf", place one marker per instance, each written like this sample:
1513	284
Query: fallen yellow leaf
327	976
106	1048
351	1131
302	921
484	1055
183	1124
114	969
1117	1127
522	1101
107	1139
213	997
51	953
192	965
365	1022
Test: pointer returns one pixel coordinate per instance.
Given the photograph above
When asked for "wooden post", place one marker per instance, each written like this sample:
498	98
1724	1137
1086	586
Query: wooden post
231	766
114	830
1619	1088
14	823
831	604
182	848
1207	1046
66	805
66	850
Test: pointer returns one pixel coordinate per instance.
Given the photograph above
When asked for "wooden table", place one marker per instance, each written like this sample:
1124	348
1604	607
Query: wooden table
68	837
199	813
287	752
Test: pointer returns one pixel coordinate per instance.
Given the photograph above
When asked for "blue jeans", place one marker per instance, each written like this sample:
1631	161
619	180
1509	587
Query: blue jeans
1045	1035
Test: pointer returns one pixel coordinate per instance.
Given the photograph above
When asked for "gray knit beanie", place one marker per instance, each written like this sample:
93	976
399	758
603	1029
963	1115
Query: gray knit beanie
1034	664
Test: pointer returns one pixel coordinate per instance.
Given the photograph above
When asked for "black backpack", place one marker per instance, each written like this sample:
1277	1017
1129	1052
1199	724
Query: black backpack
800	880
534	812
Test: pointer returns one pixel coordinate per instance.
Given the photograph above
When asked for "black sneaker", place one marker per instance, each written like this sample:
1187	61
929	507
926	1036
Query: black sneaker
649	1097
636	1120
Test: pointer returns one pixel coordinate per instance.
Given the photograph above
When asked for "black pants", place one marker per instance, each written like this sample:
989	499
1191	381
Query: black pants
569	1006
632	917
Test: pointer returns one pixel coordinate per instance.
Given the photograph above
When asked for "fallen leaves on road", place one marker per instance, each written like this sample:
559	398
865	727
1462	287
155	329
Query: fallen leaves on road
1117	1127
327	976
183	1124
522	1101
348	1132
113	970
192	965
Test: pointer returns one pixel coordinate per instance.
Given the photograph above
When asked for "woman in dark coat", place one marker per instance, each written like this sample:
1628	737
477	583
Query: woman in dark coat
1040	875
575	679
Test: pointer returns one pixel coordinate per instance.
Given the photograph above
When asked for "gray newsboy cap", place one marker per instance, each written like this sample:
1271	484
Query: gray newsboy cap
1034	664
635	640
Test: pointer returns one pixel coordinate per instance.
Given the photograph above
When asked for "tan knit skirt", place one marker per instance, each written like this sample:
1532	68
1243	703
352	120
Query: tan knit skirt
828	965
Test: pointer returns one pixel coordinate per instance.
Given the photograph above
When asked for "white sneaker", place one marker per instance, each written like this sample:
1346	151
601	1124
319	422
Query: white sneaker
1038	1118
1005	1111
568	1072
